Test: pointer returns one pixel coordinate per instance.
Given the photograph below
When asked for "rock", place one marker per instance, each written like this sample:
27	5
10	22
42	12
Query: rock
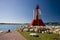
26	29
34	34
43	32
31	30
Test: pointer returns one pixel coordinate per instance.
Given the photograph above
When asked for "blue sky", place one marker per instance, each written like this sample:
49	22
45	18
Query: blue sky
21	11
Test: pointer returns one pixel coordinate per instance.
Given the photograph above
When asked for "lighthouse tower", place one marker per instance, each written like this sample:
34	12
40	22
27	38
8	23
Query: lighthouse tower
37	21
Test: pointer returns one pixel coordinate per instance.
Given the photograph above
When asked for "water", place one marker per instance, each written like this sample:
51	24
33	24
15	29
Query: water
7	27
11	26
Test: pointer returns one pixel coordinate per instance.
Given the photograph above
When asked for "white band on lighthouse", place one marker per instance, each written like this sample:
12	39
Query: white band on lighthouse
39	13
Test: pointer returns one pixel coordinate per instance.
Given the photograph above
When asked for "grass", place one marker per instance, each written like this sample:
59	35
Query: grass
41	36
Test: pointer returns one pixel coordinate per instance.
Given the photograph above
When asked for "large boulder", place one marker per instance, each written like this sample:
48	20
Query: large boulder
34	34
31	30
25	29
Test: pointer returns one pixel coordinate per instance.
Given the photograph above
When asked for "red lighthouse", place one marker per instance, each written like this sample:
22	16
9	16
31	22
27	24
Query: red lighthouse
37	21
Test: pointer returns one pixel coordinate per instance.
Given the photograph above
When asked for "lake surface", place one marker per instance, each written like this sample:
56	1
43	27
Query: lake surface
8	26
13	26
